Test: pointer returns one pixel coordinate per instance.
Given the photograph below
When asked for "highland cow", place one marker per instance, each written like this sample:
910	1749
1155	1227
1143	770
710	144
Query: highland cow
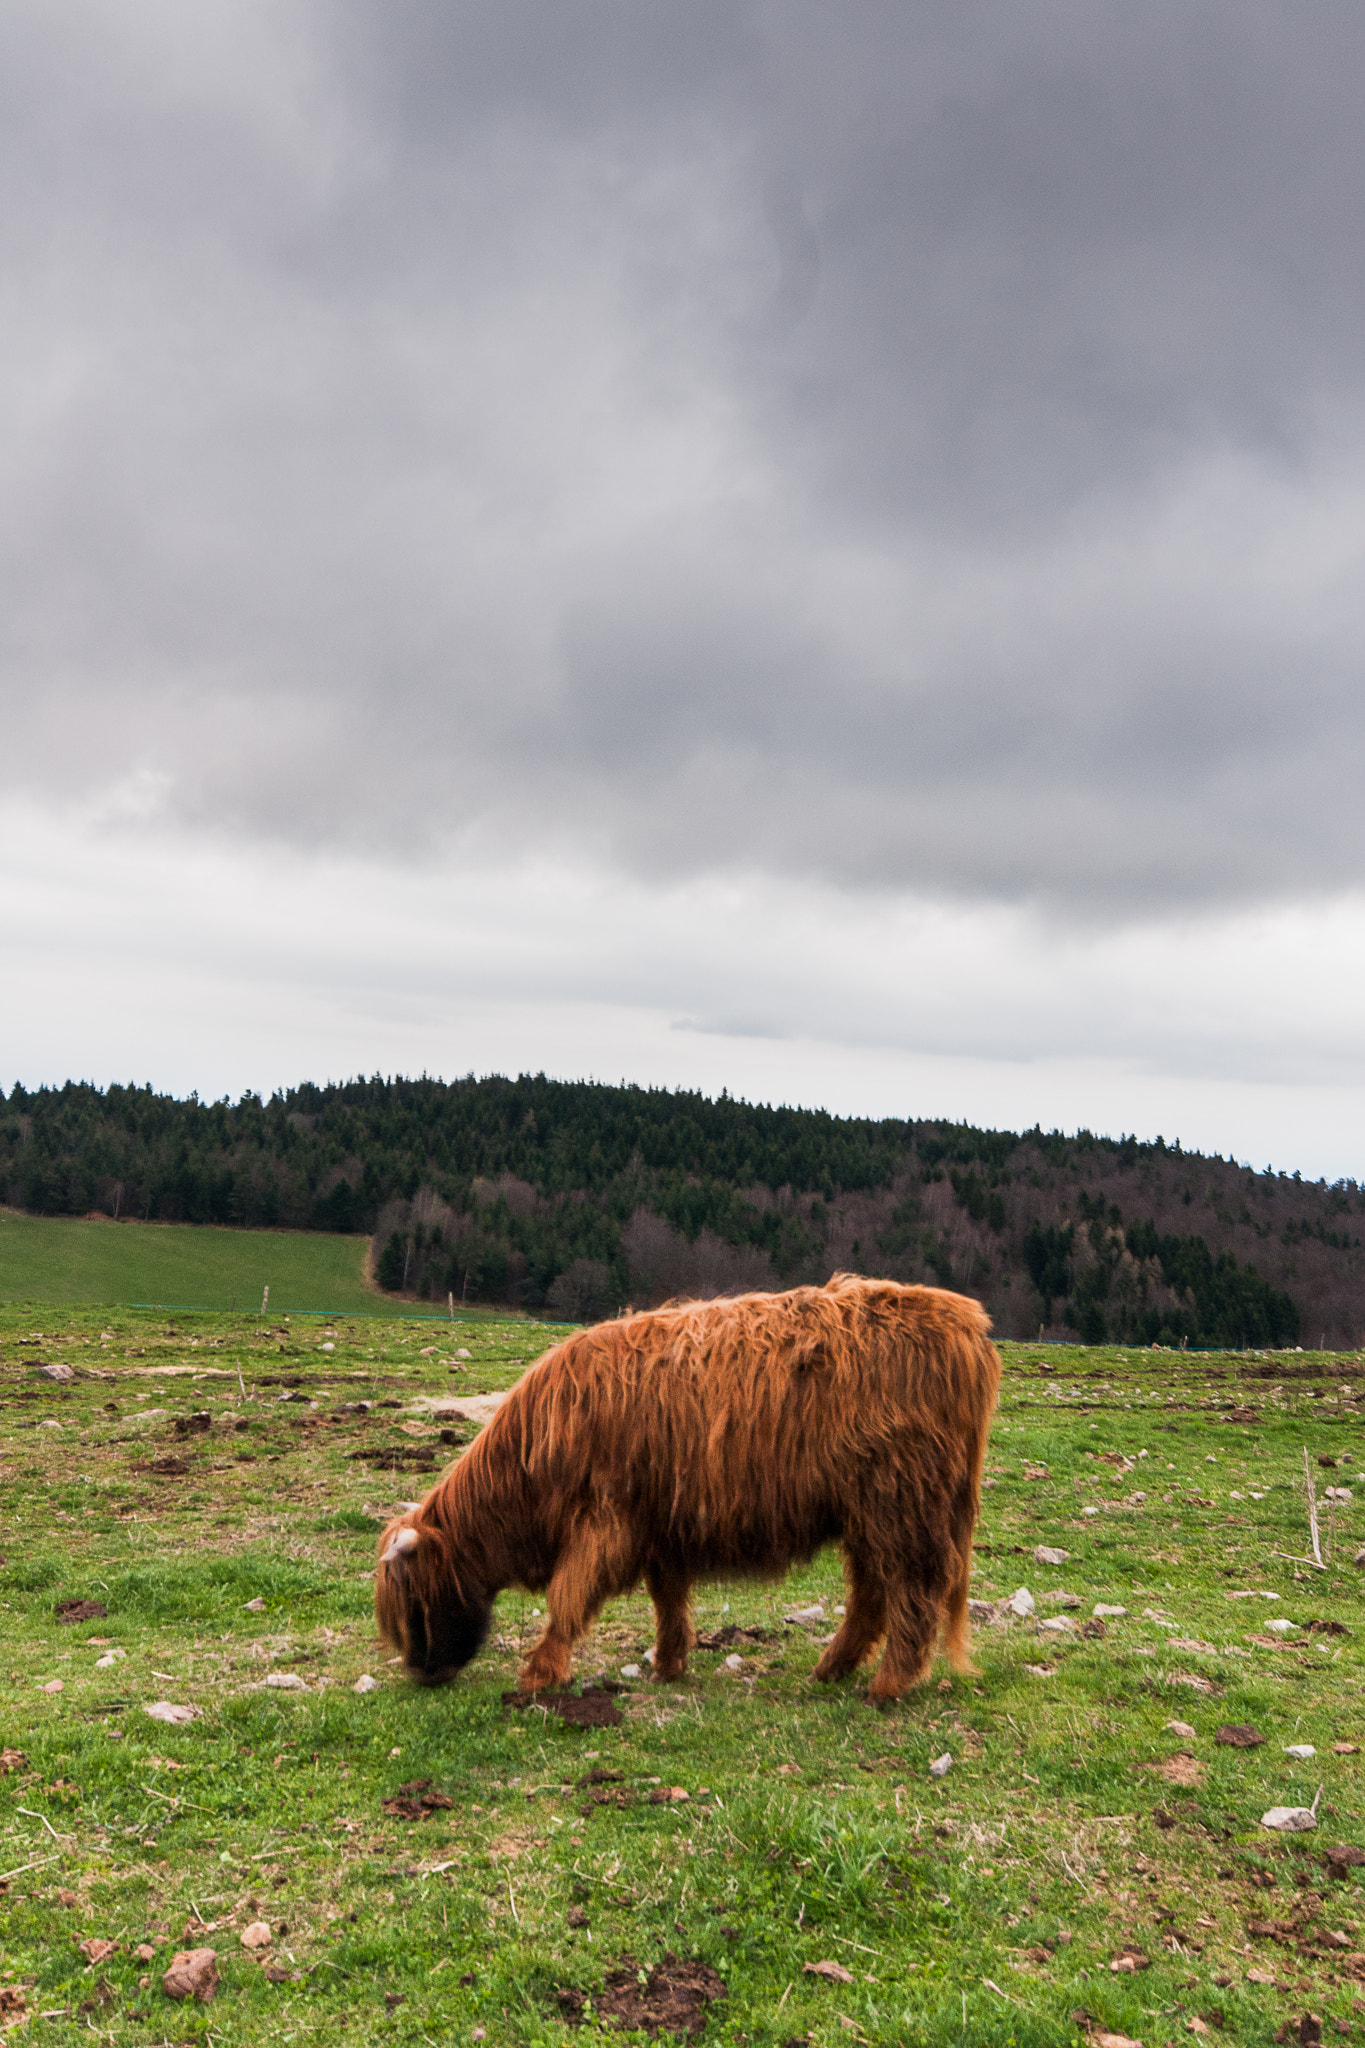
716	1440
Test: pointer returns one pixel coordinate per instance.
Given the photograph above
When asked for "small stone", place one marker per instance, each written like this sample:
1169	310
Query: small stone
57	1371
1103	1611
365	1683
1180	1728
1290	1820
144	1952
193	1974
165	1710
256	1606
1302	1750
1020	1603
733	1663
805	1614
1057	1625
941	1765
630	1671
256	1936
1282	1626
285	1681
109	1659
53	1685
95	1950
1044	1554
1239	1735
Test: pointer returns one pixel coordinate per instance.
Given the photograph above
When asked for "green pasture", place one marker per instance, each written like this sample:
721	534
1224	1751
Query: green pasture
68	1261
1091	1863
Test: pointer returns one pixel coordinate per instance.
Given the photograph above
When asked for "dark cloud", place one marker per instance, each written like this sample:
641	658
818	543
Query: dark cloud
913	448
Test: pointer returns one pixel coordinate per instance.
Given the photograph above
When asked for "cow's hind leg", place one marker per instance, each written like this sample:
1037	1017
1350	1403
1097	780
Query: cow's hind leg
956	1628
913	1614
674	1634
864	1620
596	1565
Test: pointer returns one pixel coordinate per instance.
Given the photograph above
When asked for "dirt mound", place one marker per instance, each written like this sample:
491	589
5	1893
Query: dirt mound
594	1707
415	1801
672	2000
80	1610
725	1637
396	1458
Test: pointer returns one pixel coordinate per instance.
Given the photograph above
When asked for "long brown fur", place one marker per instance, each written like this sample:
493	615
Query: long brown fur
717	1439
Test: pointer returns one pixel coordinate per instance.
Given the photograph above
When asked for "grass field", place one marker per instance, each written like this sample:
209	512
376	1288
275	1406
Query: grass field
70	1261
1077	1825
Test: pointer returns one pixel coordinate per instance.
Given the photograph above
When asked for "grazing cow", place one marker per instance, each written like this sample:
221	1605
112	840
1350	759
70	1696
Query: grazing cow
712	1440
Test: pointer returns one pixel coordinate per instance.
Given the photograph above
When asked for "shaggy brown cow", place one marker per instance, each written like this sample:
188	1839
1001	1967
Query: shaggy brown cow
717	1439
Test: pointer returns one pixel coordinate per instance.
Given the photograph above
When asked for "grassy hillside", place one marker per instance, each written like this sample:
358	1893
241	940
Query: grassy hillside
1093	1859
65	1260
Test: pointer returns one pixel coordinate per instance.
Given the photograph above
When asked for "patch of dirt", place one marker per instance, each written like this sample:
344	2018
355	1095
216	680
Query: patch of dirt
1238	1735
1320	1627
620	1797
396	1458
1242	1415
1181	1769
165	1468
1193	1681
594	1707
415	1801
672	2000
80	1610
725	1638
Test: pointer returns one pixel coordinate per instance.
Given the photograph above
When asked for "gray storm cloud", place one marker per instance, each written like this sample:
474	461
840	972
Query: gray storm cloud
913	447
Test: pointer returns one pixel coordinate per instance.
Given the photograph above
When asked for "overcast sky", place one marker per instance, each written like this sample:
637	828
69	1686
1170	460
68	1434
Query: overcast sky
810	550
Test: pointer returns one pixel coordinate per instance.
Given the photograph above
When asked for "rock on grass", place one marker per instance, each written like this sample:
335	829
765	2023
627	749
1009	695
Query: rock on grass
193	1974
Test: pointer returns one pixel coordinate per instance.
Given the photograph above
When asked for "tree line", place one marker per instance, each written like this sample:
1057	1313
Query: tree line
575	1198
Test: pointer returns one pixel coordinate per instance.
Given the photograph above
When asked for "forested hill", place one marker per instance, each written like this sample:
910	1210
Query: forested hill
575	1198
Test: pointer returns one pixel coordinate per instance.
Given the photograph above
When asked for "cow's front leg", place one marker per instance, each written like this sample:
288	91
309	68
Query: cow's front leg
593	1568
674	1634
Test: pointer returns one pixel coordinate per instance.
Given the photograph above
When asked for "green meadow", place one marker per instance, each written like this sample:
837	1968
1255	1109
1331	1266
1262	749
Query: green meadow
68	1261
744	1853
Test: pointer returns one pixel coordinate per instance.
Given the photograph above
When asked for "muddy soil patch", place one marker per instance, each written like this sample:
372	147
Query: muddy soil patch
416	1801
80	1610
594	1707
673	1999
396	1458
